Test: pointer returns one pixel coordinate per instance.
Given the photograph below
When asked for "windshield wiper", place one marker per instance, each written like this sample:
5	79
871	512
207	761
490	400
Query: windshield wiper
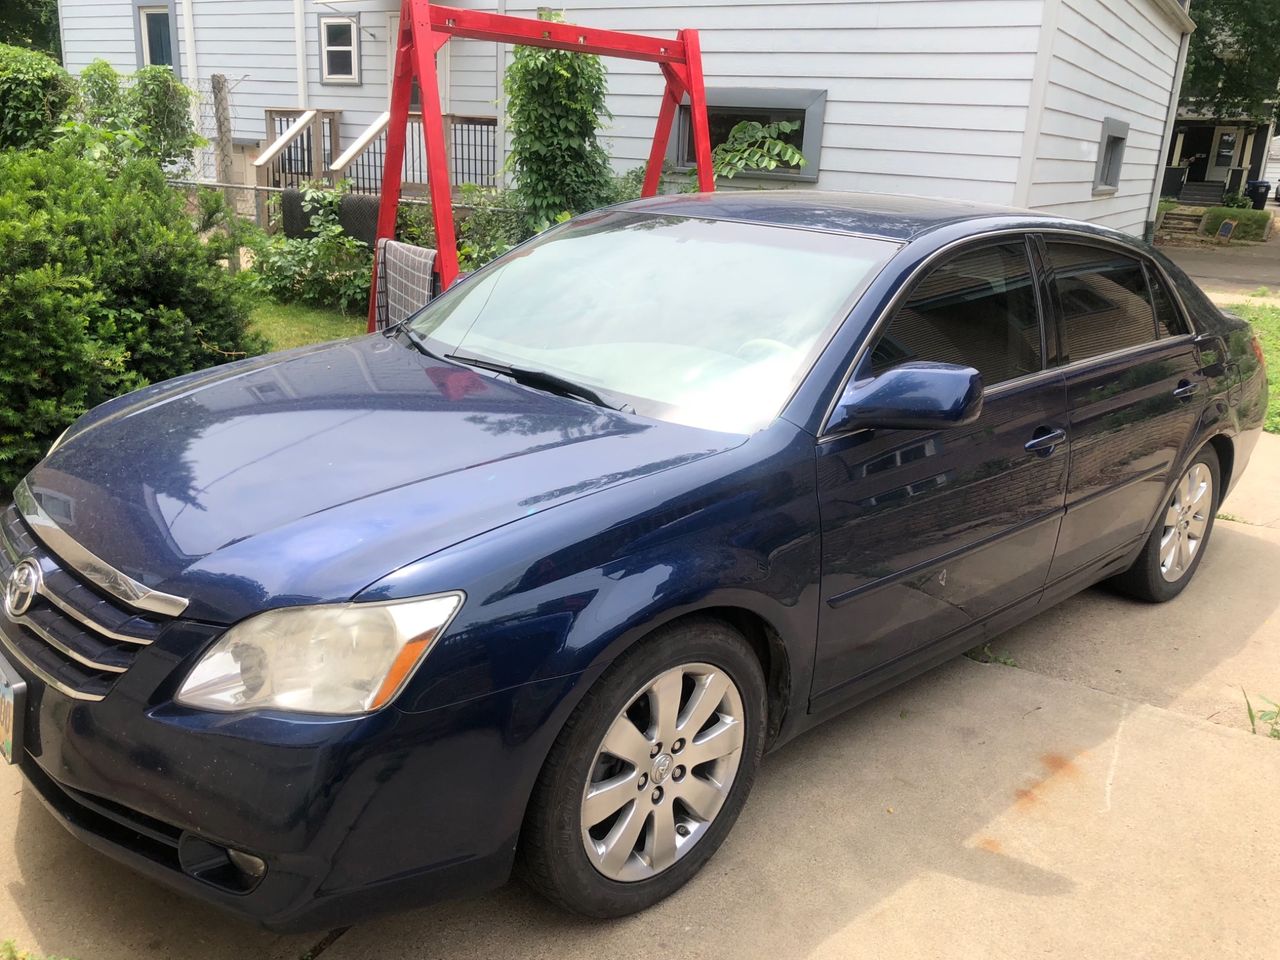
538	378
416	339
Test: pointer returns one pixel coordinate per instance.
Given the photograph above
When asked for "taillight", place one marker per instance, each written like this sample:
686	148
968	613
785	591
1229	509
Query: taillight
1257	352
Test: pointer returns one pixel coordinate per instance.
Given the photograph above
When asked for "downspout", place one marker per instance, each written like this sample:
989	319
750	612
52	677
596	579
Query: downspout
193	62
1170	116
300	49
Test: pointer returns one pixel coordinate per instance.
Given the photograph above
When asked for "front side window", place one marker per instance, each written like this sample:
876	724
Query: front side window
711	323
157	36
977	309
339	50
1104	301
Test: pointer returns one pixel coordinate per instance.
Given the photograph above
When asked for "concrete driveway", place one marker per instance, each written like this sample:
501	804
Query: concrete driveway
1103	798
1233	272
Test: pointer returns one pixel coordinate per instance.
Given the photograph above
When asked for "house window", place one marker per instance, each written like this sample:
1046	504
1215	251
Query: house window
1106	174
729	106
339	50
1226	155
157	36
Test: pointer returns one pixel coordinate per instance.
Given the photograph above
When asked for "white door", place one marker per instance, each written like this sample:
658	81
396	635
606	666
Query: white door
1224	154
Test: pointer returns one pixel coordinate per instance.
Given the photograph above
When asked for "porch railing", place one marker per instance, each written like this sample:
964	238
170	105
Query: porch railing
471	144
303	144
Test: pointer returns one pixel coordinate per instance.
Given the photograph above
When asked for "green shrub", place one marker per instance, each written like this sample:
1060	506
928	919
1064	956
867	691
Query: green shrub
414	224
35	94
150	116
1250	224
556	99
328	268
1237	201
493	225
106	287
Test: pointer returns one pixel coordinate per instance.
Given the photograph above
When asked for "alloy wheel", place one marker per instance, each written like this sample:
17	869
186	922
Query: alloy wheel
662	772
1185	522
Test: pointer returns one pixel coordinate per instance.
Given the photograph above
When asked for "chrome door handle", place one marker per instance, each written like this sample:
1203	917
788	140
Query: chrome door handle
1186	388
1045	440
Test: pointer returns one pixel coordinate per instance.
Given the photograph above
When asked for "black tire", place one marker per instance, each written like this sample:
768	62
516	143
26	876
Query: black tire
553	860
1144	580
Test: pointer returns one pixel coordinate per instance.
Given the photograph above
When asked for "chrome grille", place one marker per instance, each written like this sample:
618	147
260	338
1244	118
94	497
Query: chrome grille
71	636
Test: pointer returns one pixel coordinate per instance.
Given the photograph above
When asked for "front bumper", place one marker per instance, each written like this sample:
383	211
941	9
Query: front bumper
351	816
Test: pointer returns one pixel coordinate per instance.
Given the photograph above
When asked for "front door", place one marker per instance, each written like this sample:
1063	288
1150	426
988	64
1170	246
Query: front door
1135	390
927	533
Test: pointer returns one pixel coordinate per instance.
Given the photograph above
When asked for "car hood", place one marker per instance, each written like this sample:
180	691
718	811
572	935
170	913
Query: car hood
308	476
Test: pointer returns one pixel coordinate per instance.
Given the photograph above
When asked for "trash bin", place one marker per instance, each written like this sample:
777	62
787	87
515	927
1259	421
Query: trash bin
1257	190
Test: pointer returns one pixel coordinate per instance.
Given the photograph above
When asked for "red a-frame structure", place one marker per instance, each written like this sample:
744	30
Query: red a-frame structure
425	27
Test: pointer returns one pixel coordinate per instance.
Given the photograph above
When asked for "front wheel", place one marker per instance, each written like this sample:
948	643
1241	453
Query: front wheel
1177	544
649	774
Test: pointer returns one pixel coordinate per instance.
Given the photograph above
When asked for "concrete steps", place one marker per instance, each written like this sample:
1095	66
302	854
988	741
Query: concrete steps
1178	223
1207	194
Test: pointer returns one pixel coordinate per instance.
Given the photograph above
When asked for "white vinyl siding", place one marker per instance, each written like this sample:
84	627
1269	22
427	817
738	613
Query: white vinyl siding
1110	59
93	29
923	96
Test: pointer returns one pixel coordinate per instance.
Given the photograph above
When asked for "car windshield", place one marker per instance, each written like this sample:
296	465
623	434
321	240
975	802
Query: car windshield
710	323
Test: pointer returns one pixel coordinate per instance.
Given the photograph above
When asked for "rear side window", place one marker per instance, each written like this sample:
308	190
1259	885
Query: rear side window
1169	322
1106	305
977	309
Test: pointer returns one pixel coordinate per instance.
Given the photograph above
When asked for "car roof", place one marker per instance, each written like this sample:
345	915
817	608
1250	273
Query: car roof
887	216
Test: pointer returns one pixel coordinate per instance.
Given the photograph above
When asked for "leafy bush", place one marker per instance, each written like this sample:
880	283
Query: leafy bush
752	145
1250	224
494	224
106	287
149	116
328	268
555	99
414	224
1237	201
35	94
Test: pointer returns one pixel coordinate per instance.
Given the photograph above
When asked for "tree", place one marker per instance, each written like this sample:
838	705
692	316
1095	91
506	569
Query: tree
1233	60
32	24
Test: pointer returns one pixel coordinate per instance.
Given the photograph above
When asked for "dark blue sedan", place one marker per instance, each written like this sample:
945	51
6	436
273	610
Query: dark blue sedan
536	577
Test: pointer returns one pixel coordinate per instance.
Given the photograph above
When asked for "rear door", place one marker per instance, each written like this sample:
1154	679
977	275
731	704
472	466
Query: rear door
927	532
1134	391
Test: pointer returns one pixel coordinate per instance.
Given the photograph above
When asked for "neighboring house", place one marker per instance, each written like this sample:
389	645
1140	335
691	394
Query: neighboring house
1209	157
1058	105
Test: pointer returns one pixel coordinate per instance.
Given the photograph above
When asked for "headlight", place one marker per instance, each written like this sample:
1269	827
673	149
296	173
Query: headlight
344	658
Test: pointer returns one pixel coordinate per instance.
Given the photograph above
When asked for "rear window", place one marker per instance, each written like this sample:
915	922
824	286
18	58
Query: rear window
1106	305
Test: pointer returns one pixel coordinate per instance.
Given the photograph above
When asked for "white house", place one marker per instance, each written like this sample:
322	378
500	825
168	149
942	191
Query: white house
1059	105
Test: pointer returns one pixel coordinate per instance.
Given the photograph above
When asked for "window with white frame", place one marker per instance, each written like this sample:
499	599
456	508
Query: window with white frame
1106	172
339	50
156	33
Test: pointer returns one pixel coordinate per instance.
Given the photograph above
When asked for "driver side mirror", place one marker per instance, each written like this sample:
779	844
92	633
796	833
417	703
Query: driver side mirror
911	396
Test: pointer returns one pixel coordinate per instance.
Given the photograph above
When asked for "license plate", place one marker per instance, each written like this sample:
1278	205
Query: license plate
13	697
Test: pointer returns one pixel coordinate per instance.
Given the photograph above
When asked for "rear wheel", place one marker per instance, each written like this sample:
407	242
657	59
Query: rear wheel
649	774
1177	544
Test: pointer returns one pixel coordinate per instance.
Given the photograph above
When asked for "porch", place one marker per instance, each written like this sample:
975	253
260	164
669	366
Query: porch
1210	158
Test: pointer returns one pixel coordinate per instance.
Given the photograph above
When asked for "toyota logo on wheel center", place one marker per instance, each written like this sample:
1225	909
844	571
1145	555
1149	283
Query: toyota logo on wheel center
21	588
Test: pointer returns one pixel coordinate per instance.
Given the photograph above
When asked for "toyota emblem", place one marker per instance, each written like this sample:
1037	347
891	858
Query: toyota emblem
21	588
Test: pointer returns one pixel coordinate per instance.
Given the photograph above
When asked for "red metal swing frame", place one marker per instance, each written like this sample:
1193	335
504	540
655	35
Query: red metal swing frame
425	27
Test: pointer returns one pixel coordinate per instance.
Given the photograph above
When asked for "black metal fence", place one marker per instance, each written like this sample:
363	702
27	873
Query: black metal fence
474	156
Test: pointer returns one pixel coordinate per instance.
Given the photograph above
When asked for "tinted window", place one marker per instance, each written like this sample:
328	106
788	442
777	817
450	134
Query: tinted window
1105	302
976	310
1169	320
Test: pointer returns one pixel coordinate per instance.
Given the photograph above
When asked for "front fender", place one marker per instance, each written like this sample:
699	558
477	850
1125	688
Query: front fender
566	590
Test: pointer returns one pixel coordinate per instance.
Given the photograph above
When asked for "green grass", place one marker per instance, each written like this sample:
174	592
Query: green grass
287	325
1266	324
